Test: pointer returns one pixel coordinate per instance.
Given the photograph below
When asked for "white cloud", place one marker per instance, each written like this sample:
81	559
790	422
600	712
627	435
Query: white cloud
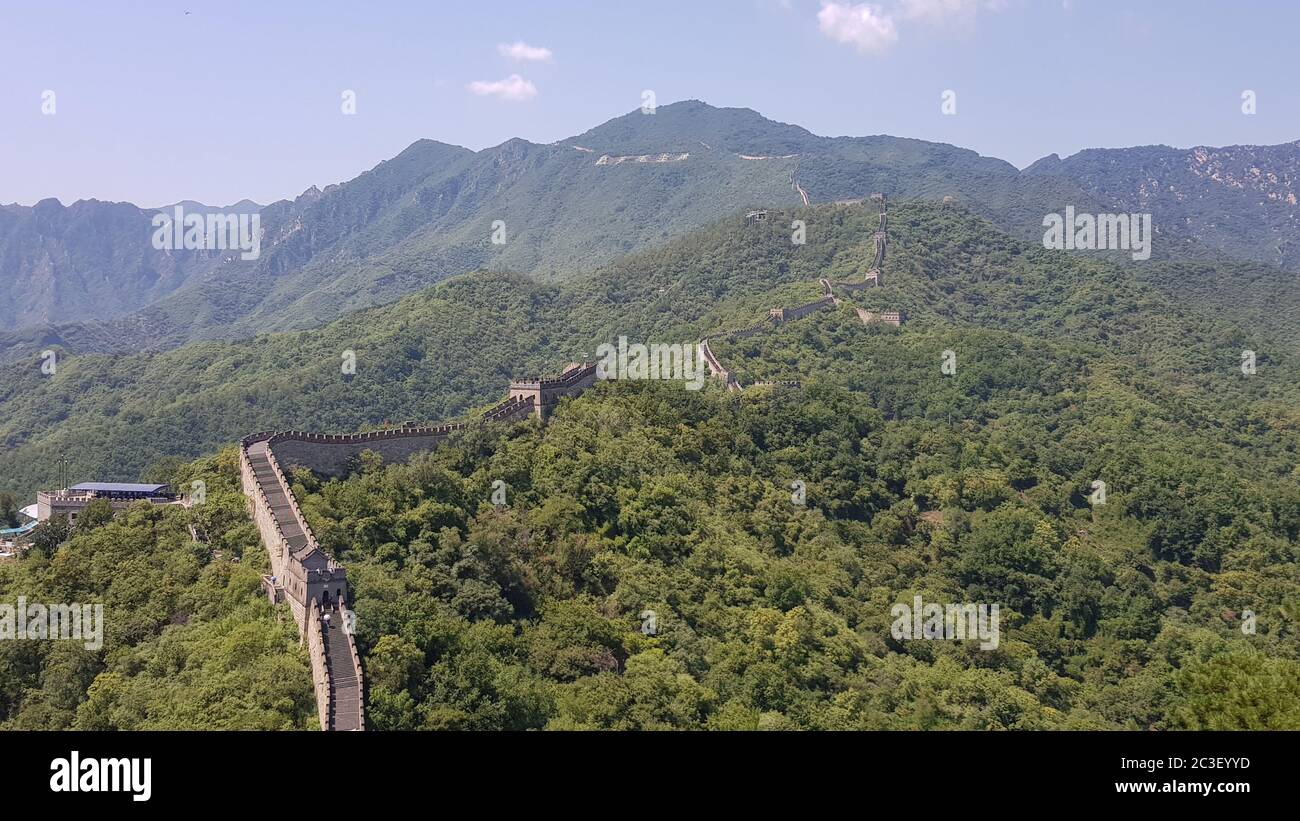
513	88
872	28
868	28
519	50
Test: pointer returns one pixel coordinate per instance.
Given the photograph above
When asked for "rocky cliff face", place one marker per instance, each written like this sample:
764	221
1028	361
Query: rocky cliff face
1239	199
88	260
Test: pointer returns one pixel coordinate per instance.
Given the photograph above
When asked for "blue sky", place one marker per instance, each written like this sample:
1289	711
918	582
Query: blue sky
243	99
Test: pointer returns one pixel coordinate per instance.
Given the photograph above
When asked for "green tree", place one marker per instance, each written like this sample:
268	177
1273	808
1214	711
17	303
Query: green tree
95	515
1239	690
49	534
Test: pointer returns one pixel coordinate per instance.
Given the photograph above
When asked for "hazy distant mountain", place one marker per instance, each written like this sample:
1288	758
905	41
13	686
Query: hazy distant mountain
1241	199
244	206
90	260
634	182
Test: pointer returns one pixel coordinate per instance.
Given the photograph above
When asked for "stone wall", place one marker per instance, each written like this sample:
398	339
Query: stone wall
514	409
787	314
331	455
302	574
894	318
307	575
752	330
779	315
857	286
319	669
267	527
715	367
356	663
545	394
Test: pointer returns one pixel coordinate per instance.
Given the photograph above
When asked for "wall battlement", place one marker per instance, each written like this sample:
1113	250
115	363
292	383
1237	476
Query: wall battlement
780	315
545	394
894	318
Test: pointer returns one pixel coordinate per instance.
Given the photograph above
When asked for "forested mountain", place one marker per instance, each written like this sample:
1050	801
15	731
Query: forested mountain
633	183
455	346
1170	603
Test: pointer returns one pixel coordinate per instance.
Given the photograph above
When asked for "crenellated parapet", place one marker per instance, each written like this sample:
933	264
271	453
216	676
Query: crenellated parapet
779	315
715	367
545	394
320	674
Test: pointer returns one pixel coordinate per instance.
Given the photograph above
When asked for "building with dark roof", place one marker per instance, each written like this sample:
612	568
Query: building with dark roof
70	501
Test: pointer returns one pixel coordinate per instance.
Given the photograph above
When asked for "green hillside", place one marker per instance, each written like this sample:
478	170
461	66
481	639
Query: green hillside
645	498
429	213
1170	603
776	615
438	353
187	641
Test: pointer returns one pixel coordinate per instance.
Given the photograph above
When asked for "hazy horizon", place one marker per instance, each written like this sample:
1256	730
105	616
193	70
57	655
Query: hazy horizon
324	184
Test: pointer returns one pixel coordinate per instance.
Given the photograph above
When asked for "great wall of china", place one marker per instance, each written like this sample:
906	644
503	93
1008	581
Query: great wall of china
776	316
315	585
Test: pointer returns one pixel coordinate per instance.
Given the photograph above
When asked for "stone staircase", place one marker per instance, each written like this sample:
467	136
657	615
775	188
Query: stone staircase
345	687
276	497
303	574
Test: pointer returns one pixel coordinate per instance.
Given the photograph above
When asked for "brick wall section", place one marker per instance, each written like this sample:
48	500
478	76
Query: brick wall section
752	330
331	454
787	314
319	669
309	573
778	315
308	576
894	318
546	393
715	367
361	694
856	286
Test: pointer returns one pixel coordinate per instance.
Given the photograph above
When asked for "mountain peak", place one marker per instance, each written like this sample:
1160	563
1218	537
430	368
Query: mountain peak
684	125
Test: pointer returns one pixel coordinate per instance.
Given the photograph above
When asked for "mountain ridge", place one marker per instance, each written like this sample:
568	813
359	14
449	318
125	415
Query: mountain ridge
449	348
427	213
